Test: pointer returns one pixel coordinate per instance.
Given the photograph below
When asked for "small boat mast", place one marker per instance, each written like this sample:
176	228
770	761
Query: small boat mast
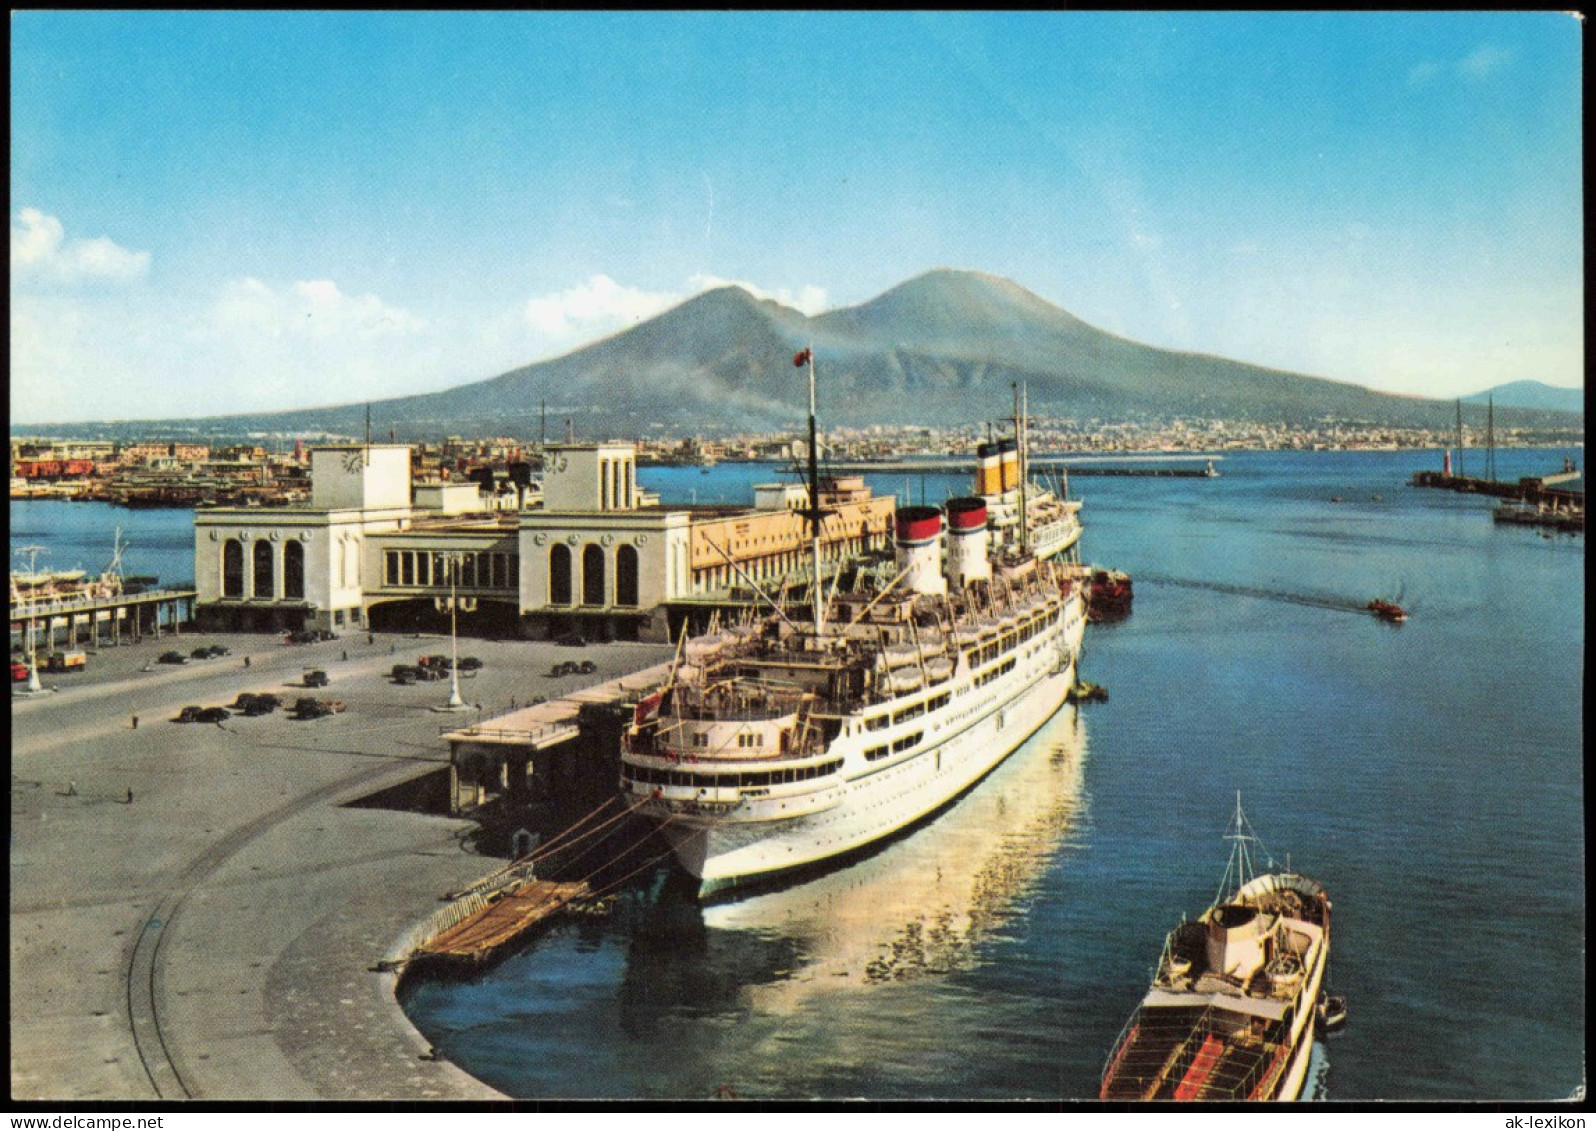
1245	849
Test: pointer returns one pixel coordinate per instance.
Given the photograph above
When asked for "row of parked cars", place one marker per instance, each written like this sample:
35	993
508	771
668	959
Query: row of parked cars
428	668
251	703
309	636
571	667
204	652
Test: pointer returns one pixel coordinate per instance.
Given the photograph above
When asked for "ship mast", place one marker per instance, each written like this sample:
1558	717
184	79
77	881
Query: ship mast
1490	438
814	513
1020	455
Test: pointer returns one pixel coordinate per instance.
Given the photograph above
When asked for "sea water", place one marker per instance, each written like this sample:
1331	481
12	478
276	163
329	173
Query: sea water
1429	774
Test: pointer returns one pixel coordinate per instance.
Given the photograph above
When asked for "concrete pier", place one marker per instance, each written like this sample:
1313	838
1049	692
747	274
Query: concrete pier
195	909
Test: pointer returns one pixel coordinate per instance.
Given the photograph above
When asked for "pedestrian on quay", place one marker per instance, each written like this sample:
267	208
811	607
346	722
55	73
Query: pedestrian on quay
346	653
129	795
135	722
246	661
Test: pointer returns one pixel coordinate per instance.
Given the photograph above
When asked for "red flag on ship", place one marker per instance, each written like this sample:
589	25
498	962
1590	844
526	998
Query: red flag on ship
647	709
800	358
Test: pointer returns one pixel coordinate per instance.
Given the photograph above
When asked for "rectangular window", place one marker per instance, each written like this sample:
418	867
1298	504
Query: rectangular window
875	753
468	570
408	560
936	703
907	741
390	564
913	711
876	722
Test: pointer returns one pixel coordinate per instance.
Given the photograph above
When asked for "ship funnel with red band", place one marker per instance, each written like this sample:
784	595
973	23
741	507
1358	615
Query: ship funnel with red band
920	549
967	542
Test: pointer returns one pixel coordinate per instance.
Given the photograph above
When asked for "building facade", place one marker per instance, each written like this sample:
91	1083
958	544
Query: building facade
598	558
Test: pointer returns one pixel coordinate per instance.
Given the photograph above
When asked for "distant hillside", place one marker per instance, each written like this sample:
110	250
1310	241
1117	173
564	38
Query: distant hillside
1532	394
941	349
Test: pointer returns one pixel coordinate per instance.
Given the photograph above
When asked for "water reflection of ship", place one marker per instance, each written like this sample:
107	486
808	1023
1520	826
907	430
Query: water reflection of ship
921	905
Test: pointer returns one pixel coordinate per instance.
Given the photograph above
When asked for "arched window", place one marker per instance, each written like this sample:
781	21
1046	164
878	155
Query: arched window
294	570
232	568
626	576
592	575
559	575
263	568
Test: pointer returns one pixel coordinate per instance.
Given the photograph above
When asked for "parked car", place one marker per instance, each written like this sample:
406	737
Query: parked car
201	653
262	705
587	667
256	703
571	640
212	715
434	662
19	672
220	650
470	664
66	662
315	677
173	658
188	715
429	673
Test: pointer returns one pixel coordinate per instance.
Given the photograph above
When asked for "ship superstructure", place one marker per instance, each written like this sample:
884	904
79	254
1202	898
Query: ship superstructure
775	745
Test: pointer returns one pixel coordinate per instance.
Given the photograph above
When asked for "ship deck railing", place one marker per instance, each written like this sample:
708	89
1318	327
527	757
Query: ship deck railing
1169	1053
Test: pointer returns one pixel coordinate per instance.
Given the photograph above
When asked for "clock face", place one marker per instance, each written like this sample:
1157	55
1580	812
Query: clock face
352	461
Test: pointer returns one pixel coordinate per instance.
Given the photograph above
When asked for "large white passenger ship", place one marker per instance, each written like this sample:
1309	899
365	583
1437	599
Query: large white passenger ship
774	747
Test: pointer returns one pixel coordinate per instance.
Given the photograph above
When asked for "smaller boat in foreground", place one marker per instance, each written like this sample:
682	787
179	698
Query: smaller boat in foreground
1332	1012
1230	1012
1386	611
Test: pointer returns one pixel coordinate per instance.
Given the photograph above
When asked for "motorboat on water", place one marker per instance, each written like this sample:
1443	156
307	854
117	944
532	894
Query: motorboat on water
1230	1014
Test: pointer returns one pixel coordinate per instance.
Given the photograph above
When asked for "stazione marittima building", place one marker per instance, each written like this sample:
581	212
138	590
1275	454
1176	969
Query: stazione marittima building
373	550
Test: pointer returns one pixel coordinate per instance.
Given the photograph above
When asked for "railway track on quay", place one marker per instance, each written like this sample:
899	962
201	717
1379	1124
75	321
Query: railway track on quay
160	1060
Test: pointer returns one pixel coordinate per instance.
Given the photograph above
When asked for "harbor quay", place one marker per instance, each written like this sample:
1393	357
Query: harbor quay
198	910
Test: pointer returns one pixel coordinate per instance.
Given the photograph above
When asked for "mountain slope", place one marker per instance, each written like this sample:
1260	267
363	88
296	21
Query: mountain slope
944	348
1532	394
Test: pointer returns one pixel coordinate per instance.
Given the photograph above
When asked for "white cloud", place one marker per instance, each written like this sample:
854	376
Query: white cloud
311	309
1484	60
593	308
602	306
1422	73
809	299
40	251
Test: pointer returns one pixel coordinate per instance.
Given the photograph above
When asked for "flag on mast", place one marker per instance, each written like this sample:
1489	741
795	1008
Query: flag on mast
801	358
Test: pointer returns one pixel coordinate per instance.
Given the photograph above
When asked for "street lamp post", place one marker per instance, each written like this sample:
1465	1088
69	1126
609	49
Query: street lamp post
455	703
34	686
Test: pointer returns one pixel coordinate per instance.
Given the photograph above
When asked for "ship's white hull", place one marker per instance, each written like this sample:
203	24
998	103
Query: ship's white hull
977	733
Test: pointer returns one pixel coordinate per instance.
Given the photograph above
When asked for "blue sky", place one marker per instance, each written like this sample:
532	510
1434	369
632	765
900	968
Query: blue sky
216	212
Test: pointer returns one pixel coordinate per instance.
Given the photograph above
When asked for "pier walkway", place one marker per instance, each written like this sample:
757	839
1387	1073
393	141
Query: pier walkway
540	726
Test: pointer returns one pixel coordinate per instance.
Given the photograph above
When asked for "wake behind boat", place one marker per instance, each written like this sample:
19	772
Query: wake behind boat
1230	1015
